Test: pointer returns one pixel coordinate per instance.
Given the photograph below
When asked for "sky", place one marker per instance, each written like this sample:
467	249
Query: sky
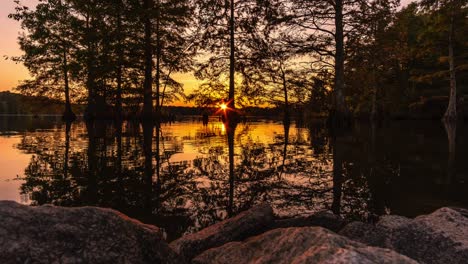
11	73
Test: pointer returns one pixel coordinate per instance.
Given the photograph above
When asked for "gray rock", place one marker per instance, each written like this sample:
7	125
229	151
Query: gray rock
324	219
440	237
299	245
392	222
462	211
48	234
246	224
379	235
367	233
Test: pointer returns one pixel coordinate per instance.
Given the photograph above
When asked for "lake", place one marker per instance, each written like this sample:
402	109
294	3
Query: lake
178	176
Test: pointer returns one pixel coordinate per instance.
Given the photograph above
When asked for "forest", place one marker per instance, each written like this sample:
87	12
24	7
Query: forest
338	58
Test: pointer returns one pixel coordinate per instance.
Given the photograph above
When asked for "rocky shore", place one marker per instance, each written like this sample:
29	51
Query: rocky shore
49	234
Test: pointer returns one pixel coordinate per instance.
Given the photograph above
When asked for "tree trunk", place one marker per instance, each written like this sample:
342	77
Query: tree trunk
373	115
68	113
232	71
158	59
90	81
340	110
286	99
148	84
118	98
451	113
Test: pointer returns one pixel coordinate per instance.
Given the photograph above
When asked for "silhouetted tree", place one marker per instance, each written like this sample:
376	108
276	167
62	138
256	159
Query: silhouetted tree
369	59
228	28
327	25
49	48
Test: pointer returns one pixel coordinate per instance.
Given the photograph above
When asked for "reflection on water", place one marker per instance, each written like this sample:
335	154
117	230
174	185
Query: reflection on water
178	176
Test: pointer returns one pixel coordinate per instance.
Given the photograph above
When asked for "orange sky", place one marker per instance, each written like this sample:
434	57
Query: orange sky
11	74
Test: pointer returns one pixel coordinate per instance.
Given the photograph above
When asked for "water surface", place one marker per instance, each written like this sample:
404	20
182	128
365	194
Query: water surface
181	180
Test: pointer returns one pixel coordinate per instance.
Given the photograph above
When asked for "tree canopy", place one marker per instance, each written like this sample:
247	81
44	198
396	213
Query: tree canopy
361	58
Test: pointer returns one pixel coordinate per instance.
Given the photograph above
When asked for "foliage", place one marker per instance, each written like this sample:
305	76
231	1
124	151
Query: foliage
365	56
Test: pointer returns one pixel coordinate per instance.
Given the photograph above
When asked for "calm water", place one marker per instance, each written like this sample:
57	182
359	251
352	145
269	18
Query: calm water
405	168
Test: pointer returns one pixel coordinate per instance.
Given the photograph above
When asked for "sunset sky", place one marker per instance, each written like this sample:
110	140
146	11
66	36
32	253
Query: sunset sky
11	73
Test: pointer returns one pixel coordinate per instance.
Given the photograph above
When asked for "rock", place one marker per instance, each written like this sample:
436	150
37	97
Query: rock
367	233
462	211
440	237
299	245
324	219
375	235
49	234
246	224
392	222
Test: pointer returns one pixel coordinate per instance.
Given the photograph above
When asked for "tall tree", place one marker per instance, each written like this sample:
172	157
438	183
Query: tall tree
369	56
176	39
148	85
228	28
48	45
448	12
340	107
322	28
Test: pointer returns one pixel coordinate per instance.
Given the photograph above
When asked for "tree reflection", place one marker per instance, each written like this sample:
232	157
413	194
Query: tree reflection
286	126
231	131
337	176
451	129
186	181
148	164
132	171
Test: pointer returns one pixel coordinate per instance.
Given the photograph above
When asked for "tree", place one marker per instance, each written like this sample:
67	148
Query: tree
175	47
166	41
272	68
340	107
322	28
49	47
370	55
448	12
228	28
148	86
402	47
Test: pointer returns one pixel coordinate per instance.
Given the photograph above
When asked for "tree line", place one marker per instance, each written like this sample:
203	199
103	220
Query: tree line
340	57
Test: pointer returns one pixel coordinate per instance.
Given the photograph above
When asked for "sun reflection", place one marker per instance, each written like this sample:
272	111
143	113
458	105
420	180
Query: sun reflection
223	128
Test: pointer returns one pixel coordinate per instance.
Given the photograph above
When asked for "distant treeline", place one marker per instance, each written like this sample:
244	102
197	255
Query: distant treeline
17	104
347	58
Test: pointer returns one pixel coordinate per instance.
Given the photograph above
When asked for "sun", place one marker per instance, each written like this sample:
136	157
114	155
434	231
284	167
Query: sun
223	106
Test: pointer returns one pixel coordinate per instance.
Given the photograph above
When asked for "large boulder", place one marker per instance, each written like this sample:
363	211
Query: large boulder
246	224
49	234
299	245
378	235
440	237
324	219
